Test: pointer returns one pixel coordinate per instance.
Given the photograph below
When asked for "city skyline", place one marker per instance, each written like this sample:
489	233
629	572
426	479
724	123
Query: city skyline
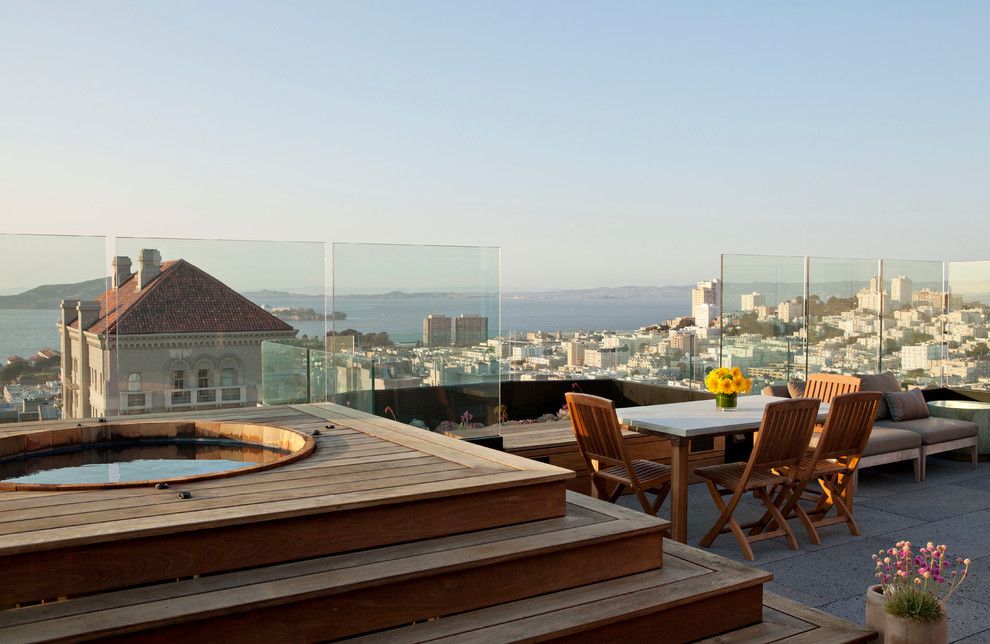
602	145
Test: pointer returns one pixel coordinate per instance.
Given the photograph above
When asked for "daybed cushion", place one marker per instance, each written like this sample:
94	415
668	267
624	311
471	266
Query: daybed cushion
776	390
906	405
884	440
885	381
932	430
795	388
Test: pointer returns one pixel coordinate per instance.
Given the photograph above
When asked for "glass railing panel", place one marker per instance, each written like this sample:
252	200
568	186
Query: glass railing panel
46	281
967	362
415	334
913	318
194	318
762	322
845	300
640	334
286	374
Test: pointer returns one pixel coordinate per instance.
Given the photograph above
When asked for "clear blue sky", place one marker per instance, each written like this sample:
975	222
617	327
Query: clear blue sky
596	143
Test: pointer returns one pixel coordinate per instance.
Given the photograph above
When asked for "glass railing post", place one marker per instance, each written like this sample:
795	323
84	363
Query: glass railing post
309	378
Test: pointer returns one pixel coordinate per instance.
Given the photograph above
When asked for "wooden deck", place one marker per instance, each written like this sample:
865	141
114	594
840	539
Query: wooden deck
385	533
368	483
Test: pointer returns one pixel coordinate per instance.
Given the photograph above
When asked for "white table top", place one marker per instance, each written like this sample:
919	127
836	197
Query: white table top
700	418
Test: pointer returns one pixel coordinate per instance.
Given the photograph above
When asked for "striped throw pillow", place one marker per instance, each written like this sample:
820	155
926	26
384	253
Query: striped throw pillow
906	405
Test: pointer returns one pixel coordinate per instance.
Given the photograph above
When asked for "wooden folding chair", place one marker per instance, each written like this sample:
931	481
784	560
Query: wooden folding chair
599	439
832	462
826	386
781	441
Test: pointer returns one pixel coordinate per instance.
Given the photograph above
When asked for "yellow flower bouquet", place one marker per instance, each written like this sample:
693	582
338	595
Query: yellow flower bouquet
727	384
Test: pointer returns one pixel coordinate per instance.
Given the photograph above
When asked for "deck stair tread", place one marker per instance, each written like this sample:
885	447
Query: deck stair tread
688	575
391	571
787	622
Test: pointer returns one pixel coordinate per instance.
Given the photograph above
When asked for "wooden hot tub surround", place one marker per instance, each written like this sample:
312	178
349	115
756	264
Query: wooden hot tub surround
297	445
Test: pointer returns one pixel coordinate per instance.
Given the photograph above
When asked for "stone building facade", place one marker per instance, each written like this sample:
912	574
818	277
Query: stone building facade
168	337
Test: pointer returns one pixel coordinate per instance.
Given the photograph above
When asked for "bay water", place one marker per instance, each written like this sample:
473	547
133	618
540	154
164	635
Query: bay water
24	331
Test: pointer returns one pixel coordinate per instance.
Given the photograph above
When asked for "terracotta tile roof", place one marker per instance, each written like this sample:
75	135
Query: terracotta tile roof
182	299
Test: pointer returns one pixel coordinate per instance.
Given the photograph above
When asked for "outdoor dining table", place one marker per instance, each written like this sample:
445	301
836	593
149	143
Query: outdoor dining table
682	422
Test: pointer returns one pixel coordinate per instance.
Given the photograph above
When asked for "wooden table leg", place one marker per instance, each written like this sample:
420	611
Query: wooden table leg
679	488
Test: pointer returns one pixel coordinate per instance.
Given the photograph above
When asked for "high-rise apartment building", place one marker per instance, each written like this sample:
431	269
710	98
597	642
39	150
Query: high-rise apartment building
437	330
684	342
602	358
919	356
751	301
575	354
704	314
901	289
470	330
707	292
789	310
868	299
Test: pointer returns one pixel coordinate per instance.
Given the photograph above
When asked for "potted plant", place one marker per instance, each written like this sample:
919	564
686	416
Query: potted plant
909	603
727	384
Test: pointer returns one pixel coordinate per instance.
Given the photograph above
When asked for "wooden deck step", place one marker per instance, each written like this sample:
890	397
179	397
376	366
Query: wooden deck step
371	482
788	622
695	595
348	594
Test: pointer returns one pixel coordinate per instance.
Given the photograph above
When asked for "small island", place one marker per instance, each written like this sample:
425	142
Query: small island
304	314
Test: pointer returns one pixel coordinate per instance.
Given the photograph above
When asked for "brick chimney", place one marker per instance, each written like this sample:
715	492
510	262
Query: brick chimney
69	313
88	312
149	266
121	270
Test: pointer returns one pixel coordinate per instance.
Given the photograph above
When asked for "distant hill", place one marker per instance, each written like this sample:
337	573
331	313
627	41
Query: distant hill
601	293
50	296
608	293
266	294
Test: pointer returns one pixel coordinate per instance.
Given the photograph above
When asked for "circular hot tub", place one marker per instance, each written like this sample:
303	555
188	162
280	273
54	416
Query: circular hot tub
131	454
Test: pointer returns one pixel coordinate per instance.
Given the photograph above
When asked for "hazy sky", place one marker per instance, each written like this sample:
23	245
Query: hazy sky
596	143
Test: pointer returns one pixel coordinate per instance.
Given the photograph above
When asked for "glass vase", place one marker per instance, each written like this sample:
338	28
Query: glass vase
725	402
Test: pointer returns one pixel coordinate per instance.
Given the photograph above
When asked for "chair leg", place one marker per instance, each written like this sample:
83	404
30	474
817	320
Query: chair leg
808	524
617	492
922	462
794	507
661	493
643	501
600	487
843	506
779	518
976	455
765	522
844	510
716	529
725	518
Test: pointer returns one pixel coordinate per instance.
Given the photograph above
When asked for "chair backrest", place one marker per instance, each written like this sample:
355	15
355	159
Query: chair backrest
826	386
784	434
596	428
848	426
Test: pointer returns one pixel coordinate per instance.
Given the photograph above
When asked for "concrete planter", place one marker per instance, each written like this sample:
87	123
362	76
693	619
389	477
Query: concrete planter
901	630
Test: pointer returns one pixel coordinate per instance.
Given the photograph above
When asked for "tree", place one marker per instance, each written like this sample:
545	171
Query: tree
979	350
